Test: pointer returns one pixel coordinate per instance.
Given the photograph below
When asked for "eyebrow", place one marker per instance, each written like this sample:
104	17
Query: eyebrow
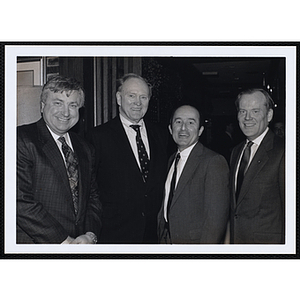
189	119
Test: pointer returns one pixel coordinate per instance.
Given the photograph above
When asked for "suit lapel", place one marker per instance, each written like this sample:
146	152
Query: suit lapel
190	166
154	152
235	156
121	137
260	158
51	150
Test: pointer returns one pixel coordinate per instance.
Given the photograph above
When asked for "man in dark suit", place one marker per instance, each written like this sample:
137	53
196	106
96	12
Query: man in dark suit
131	165
257	177
195	209
57	197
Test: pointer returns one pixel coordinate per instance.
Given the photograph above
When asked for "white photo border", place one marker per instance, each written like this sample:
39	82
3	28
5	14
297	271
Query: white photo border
11	54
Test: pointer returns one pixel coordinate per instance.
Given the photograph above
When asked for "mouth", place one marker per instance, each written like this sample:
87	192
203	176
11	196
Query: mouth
63	120
249	125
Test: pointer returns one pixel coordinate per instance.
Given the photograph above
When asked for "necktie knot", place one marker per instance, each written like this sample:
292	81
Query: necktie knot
62	140
177	158
249	144
136	128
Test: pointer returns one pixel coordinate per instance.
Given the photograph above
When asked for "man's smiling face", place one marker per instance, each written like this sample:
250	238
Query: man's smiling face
61	111
253	115
185	128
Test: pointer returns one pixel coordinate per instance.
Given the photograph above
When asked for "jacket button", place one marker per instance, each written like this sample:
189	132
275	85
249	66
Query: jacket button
235	216
143	214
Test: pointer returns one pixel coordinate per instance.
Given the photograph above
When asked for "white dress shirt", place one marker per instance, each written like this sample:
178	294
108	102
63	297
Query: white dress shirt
131	134
184	155
59	144
253	150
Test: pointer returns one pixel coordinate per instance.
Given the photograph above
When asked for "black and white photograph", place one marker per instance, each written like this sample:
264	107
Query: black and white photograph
151	149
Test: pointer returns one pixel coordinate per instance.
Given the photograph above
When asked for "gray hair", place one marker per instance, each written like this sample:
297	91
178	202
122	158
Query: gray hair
269	100
128	76
62	84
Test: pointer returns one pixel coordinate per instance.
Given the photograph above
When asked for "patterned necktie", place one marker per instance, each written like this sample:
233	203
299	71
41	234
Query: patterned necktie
72	170
243	167
172	185
143	156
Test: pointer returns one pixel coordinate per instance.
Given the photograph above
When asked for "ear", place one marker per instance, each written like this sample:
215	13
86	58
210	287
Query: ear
170	129
270	115
119	98
200	130
42	106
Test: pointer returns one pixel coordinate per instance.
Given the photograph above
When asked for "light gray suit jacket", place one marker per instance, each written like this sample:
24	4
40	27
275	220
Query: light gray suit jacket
200	208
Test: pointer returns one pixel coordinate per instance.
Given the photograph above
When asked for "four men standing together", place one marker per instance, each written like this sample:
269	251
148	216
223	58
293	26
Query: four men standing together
128	195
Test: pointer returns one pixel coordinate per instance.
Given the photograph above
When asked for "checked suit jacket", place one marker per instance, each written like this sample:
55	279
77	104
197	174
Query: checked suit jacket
199	210
45	210
258	215
130	206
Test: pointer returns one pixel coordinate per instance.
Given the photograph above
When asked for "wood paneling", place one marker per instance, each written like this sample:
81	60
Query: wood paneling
106	72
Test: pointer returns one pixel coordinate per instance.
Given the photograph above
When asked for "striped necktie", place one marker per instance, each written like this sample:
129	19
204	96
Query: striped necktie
72	170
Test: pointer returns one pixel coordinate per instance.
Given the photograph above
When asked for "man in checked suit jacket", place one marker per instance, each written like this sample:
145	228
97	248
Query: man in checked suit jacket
130	204
199	209
45	209
258	212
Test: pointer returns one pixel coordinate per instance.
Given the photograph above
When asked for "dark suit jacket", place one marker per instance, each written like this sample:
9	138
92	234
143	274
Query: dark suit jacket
257	216
130	206
200	207
45	211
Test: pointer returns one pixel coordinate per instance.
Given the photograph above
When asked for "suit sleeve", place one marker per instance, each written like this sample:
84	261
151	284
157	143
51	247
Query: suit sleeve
217	201
94	206
32	218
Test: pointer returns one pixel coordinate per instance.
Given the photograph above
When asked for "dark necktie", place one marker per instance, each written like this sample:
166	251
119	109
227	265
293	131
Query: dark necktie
143	156
243	167
172	185
72	170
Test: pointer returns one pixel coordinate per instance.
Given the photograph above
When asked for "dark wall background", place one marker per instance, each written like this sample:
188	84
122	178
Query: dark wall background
209	83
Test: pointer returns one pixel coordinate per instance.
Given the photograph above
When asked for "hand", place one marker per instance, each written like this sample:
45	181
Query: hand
85	239
68	240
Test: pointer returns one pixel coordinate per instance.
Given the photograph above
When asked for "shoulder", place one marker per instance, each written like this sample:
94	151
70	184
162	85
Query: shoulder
278	149
206	152
79	140
23	129
107	127
157	131
209	155
29	131
278	142
273	143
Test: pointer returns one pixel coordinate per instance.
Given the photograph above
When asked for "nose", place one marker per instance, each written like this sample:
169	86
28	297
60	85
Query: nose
248	115
183	125
65	111
138	101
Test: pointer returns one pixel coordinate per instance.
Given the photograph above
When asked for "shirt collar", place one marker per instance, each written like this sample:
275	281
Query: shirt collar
127	123
56	136
184	154
259	139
